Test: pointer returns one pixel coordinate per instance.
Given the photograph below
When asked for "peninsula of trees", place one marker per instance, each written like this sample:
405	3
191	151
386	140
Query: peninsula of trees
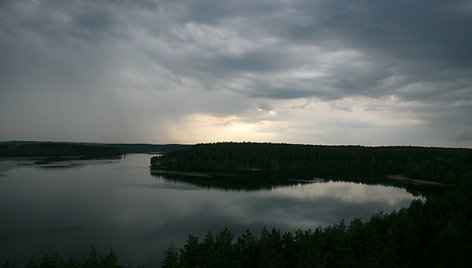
433	164
434	233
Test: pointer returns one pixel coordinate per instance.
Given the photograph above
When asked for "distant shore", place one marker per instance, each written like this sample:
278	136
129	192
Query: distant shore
40	157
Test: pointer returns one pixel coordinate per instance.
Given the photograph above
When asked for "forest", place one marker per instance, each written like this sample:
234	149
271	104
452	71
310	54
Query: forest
433	164
93	260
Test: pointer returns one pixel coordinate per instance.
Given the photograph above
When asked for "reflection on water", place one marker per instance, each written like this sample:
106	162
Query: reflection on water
347	192
119	204
268	180
242	181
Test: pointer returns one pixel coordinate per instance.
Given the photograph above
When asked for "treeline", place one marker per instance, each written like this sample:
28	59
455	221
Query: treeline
94	260
146	148
83	150
437	233
435	164
58	150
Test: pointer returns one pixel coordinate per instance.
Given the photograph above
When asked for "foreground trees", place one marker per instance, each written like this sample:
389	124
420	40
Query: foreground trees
94	260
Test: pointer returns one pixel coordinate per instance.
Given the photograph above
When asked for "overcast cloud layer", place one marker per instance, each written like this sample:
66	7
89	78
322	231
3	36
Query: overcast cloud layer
302	71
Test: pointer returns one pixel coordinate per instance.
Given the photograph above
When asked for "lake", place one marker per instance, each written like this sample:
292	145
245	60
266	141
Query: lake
69	206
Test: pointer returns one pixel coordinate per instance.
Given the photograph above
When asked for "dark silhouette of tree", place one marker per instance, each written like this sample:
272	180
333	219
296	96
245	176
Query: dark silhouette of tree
94	260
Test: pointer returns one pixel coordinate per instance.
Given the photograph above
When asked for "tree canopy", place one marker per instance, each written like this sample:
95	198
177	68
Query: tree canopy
433	164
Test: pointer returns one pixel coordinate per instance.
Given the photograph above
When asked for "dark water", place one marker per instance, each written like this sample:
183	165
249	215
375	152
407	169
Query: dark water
70	206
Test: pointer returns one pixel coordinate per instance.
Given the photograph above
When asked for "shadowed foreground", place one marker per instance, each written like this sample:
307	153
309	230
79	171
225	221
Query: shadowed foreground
109	260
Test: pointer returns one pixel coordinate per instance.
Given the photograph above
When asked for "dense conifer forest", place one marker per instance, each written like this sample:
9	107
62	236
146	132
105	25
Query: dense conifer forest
432	164
55	260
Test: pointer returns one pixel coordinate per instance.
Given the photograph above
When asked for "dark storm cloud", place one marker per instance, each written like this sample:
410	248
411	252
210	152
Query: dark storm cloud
430	30
415	40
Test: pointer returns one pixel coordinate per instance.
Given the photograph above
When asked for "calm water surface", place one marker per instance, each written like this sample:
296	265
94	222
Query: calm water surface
70	206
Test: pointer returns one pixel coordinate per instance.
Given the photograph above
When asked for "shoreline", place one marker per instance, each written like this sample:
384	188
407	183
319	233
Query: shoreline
72	157
415	181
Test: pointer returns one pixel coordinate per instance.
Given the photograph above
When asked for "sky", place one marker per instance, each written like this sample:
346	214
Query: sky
364	72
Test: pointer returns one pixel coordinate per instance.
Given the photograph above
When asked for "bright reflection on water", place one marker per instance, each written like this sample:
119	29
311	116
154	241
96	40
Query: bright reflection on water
72	205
